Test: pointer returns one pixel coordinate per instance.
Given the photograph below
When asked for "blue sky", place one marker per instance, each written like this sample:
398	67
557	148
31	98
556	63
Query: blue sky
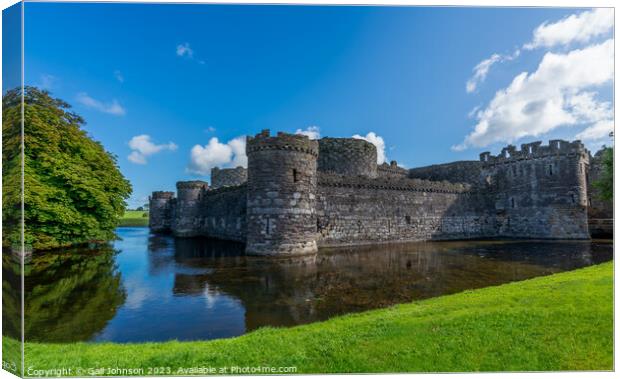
157	82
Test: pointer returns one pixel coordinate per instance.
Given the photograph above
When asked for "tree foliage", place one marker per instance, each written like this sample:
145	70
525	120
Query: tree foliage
74	191
605	184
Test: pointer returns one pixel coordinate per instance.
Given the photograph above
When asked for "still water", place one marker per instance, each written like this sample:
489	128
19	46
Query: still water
157	288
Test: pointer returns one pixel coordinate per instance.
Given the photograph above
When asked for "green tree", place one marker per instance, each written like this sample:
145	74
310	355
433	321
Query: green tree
605	184
74	192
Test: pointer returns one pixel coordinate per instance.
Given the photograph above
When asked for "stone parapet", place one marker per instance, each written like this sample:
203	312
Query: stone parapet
534	150
283	141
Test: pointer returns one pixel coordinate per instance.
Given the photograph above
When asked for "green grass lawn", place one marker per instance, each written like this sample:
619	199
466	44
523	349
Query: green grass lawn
135	218
558	322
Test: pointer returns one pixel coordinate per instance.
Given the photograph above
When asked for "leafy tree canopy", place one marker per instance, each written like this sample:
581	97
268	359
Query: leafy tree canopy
74	191
605	184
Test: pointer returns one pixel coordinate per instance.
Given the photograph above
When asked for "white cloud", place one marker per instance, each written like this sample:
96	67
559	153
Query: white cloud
582	27
217	154
113	107
142	147
482	69
183	50
552	96
473	112
118	75
312	132
378	142
480	72
597	132
209	129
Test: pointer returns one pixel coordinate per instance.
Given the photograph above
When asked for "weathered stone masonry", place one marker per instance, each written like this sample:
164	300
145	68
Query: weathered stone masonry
299	194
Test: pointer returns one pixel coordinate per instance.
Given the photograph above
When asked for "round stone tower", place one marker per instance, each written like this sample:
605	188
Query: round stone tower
160	211
282	182
186	222
227	177
348	156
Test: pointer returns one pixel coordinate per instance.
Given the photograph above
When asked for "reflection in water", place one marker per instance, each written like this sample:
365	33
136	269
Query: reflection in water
71	295
11	296
190	289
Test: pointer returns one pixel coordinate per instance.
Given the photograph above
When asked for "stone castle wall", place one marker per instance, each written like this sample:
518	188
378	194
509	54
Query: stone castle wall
351	211
224	213
294	201
227	177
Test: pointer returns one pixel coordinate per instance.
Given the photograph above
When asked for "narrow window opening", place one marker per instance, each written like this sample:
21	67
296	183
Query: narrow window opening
550	169
572	197
318	225
268	227
408	220
512	202
295	176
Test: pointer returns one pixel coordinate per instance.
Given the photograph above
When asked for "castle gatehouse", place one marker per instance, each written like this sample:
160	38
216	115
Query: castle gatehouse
298	194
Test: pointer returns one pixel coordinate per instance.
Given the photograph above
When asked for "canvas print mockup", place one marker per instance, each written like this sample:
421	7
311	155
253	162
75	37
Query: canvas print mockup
225	189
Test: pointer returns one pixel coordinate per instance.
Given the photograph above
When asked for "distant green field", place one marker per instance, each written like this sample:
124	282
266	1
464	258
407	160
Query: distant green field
135	218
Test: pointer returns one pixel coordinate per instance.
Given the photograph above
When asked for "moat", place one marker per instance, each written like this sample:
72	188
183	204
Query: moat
155	288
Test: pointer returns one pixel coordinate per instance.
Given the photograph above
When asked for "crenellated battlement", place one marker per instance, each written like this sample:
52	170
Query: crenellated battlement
282	141
534	150
192	184
392	169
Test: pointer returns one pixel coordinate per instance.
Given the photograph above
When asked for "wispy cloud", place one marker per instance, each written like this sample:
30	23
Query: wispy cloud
142	147
46	82
113	107
582	27
482	69
480	72
184	50
217	154
118	75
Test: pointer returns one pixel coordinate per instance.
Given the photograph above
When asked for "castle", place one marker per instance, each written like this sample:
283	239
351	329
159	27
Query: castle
299	194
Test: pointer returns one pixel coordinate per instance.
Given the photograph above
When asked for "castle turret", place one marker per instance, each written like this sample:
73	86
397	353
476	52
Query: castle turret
228	177
187	218
348	157
160	211
282	182
539	191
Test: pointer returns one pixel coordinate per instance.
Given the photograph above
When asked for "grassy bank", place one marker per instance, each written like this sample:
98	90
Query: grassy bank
558	322
135	218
